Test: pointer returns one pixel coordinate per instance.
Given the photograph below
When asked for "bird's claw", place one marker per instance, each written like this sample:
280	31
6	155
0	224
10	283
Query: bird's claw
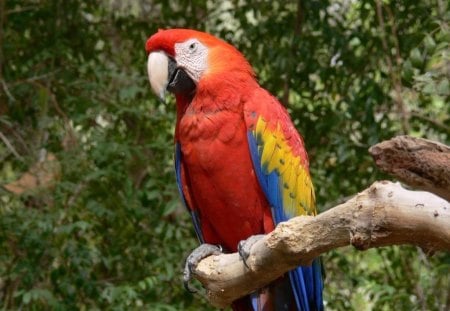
201	252
245	246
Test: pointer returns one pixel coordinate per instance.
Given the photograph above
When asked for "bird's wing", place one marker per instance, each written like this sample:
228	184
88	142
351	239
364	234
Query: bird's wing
281	164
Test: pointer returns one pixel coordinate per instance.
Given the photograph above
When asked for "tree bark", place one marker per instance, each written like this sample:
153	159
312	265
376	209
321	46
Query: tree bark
384	214
420	163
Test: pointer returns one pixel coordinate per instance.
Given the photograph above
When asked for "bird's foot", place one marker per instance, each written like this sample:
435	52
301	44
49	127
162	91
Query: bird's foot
201	252
245	246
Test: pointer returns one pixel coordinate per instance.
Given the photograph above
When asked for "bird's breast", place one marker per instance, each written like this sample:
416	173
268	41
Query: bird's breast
208	136
220	124
221	178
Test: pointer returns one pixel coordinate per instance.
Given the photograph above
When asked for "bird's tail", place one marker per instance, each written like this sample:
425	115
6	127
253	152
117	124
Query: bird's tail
277	296
300	289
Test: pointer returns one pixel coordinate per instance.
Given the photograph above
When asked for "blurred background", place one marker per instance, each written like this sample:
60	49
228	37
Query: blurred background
90	217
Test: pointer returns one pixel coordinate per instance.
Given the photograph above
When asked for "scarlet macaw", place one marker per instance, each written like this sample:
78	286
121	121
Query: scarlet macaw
241	166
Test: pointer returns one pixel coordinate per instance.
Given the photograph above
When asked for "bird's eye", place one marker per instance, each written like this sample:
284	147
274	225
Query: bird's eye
192	46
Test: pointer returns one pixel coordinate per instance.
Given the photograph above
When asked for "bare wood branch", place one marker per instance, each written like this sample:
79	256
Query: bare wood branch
420	163
384	214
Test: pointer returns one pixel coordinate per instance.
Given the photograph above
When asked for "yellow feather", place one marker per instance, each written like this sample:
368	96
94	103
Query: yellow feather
269	147
302	190
261	125
266	131
293	195
277	159
296	164
308	201
288	171
287	200
283	155
282	142
292	182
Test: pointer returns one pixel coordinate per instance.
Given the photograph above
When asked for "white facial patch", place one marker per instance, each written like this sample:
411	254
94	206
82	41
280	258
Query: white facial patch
157	69
192	56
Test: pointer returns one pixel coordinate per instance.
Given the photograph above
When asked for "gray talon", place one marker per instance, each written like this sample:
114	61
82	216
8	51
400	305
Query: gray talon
201	252
243	254
187	275
245	246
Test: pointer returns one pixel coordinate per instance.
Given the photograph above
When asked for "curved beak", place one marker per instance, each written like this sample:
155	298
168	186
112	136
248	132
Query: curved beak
164	74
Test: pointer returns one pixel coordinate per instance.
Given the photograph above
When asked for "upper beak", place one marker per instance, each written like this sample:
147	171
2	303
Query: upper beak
164	74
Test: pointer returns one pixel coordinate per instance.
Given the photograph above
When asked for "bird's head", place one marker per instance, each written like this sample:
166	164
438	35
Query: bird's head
179	60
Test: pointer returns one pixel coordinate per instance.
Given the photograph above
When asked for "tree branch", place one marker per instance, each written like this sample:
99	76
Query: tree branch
384	214
420	163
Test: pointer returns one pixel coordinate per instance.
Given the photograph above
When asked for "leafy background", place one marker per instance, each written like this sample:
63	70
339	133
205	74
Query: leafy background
89	213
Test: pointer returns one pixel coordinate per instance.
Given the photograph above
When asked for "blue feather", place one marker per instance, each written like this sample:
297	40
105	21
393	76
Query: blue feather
194	215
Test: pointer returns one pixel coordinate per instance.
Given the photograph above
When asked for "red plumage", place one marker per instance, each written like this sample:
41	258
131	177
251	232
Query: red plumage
218	175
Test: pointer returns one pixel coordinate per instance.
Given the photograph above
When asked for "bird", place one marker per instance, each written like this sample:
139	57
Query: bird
241	166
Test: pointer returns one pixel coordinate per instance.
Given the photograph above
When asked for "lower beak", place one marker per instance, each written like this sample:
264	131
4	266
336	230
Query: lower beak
179	81
164	74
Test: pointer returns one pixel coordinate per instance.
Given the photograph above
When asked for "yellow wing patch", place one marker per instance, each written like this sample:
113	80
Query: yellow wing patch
296	188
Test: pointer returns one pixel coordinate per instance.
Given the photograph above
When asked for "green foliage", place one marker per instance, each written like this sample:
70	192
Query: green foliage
109	231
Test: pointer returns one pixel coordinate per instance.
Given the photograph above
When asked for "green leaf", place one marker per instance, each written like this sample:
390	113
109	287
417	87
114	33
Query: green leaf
416	58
